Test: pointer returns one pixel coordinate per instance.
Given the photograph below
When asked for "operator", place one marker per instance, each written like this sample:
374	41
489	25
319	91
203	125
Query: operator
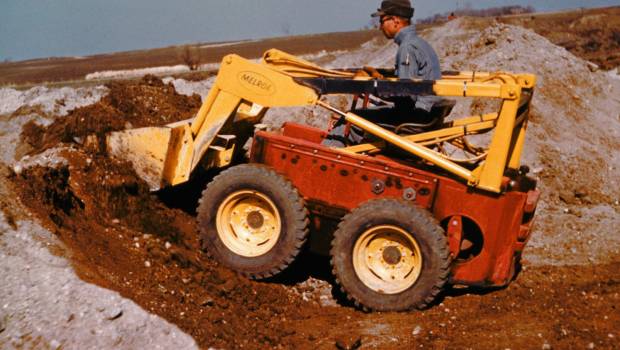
415	59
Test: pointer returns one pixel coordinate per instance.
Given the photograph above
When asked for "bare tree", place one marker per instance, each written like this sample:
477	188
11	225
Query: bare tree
191	56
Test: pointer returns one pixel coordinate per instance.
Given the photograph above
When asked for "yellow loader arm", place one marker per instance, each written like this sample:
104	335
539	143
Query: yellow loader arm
244	90
241	94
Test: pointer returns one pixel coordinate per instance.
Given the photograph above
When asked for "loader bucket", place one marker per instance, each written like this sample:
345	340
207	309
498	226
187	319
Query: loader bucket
161	156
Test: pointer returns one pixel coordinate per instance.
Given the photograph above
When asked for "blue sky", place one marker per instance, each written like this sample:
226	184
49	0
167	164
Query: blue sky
44	28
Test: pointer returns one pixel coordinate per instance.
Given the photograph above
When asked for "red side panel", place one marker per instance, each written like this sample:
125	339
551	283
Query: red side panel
304	132
341	180
498	217
334	179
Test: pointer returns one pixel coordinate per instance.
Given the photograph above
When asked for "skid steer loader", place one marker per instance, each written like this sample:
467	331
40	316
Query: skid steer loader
412	217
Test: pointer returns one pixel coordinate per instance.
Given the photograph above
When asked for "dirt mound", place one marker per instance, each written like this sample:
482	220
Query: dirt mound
574	122
123	238
132	104
572	139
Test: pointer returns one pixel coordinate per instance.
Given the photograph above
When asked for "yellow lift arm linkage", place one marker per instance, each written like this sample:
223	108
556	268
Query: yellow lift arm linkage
244	90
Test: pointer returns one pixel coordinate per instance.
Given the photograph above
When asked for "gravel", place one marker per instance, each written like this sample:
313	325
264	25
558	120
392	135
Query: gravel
45	305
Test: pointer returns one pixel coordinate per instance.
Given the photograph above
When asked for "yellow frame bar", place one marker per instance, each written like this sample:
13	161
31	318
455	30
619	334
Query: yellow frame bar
506	144
412	147
457	128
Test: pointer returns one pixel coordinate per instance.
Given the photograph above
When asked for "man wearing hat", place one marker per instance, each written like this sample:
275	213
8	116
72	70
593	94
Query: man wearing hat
415	59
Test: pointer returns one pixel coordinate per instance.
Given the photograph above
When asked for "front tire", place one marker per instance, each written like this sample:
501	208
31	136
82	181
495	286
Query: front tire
389	255
252	220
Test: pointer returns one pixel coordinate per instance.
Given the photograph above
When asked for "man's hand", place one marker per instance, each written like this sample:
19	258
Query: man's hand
372	71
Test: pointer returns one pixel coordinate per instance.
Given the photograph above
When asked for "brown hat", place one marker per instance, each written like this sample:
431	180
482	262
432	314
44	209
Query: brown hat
400	8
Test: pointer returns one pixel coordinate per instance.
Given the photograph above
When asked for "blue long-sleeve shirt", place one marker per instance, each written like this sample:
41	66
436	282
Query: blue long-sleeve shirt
416	59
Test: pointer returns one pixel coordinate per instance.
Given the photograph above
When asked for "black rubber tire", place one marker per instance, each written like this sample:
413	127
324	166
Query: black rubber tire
293	214
423	228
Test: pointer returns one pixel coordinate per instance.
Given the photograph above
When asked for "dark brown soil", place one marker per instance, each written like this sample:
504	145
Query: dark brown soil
123	238
129	104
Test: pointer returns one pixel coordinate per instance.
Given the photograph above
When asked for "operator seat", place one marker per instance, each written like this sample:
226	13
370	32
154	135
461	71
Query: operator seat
439	112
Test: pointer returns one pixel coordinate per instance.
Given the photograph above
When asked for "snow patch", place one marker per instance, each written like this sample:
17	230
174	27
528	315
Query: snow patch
57	101
207	46
188	88
134	73
614	73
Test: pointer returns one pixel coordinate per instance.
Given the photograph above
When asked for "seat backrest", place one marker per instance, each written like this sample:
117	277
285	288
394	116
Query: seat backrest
441	109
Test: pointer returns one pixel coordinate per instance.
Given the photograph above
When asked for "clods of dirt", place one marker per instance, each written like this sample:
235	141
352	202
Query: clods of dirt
129	104
123	238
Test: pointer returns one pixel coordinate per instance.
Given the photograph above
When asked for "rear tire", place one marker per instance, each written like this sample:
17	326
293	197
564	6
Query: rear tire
252	220
389	255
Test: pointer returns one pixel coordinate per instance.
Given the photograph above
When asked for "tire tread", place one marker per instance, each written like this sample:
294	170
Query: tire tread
420	216
299	212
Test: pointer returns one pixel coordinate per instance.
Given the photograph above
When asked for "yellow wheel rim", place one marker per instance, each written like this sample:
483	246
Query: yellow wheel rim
387	259
248	223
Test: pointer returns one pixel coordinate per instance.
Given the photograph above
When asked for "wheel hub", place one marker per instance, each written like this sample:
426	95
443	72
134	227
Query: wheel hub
387	259
392	255
248	223
255	219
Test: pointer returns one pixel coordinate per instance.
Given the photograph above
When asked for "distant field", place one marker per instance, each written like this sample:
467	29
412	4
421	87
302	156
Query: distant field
69	68
579	31
585	32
